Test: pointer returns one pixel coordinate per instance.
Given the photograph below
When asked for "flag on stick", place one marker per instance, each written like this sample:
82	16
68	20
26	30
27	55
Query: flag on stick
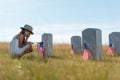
72	50
86	53
40	48
110	50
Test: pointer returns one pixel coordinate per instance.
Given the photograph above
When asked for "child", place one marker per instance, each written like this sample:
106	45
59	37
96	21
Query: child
20	45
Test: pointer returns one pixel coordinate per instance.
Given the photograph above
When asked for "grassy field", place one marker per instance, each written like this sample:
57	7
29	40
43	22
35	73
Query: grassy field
62	66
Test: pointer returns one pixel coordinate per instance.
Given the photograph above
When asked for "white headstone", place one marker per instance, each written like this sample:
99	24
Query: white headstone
92	38
48	41
114	41
76	44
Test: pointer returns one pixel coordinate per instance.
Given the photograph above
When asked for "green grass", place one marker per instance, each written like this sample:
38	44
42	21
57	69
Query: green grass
62	66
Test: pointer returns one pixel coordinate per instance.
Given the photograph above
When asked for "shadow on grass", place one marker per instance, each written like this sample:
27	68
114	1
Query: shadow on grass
41	58
56	57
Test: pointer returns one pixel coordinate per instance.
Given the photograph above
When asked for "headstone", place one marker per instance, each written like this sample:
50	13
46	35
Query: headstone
114	41
91	37
47	40
76	44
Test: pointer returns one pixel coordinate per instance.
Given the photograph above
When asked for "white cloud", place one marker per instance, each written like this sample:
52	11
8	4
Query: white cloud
61	33
75	28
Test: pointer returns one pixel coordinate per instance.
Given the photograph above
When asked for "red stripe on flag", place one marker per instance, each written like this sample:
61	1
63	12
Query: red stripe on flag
110	51
71	51
86	54
40	49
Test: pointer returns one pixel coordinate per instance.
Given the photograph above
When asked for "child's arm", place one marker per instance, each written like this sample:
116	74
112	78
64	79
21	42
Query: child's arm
30	49
20	39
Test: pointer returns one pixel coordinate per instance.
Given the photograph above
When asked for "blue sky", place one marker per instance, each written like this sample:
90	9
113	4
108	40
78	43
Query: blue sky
62	18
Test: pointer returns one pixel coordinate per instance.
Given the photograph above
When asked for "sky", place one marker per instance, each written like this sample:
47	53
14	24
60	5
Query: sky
62	18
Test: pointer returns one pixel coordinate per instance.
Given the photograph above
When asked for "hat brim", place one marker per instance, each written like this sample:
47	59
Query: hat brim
26	30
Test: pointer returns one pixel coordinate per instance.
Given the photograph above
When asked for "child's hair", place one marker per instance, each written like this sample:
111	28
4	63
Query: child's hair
22	31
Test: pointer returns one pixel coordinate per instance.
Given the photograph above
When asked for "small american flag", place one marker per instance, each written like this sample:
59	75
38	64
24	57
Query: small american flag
110	49
72	50
40	48
86	52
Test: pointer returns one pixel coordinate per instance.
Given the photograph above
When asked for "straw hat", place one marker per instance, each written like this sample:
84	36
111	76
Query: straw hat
28	28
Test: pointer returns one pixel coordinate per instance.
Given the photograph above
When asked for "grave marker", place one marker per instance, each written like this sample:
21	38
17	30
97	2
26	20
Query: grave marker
92	39
48	41
76	44
114	41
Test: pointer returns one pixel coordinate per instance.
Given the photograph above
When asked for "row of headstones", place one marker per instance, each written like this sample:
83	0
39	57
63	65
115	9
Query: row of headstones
91	39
